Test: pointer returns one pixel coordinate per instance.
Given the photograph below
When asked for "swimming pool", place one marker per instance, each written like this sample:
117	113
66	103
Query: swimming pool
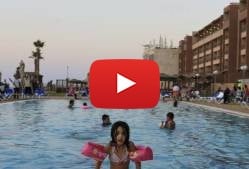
46	134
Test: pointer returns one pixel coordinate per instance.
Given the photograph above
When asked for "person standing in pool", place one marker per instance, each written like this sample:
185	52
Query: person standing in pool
120	147
106	120
71	103
175	103
169	123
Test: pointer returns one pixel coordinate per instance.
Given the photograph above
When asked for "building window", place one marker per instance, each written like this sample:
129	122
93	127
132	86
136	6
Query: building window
243	25
226	64
201	49
216	67
243	43
215	54
226	50
201	60
208	46
208	69
215	43
226	34
242	59
202	70
208	58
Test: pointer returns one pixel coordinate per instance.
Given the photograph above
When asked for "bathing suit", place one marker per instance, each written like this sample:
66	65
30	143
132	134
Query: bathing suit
115	158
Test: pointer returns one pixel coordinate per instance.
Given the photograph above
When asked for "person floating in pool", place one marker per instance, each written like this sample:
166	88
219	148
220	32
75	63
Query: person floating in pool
120	147
85	106
106	120
169	123
71	103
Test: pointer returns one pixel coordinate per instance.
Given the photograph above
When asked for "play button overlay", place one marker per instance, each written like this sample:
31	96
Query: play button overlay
124	84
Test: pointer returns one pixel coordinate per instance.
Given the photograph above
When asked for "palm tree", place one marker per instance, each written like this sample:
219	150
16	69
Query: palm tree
36	55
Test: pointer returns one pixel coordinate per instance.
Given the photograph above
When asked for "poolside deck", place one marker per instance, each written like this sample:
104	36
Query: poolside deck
231	107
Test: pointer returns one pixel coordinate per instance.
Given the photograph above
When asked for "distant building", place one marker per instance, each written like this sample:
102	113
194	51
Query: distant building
167	60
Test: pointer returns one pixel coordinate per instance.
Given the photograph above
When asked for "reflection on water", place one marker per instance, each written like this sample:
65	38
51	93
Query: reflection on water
46	134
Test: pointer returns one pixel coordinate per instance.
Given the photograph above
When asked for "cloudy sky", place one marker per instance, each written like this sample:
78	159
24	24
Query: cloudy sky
77	32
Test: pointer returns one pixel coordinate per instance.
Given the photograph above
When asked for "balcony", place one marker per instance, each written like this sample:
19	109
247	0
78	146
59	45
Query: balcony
208	52
208	63
243	52
216	61
226	56
207	39
201	65
243	34
217	48
226	41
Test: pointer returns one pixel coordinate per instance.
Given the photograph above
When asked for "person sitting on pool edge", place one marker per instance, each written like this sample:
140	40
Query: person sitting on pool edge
71	103
169	123
106	120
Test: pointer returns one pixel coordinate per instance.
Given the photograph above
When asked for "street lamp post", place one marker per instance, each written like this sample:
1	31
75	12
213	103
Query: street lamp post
215	73
243	68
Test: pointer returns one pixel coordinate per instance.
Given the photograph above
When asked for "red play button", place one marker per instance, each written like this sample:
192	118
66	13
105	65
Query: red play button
124	83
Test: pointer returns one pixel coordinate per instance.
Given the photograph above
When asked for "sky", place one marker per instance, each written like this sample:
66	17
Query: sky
77	32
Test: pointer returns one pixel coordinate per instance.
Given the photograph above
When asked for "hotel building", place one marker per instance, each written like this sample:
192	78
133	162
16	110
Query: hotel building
217	52
243	40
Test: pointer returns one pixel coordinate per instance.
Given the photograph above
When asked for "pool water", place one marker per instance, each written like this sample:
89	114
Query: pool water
45	134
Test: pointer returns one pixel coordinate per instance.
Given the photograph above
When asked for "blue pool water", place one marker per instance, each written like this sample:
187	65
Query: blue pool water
45	134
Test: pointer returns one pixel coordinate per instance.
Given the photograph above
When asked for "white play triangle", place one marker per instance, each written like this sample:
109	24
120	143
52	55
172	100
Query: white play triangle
123	83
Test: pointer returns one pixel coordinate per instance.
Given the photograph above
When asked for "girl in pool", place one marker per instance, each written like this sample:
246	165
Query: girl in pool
120	148
169	123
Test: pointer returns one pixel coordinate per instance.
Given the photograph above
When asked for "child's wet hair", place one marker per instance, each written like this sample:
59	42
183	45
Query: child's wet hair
170	115
125	127
84	104
104	116
71	101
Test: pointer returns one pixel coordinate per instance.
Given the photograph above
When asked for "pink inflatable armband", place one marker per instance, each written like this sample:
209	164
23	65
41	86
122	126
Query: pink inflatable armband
86	107
95	151
142	154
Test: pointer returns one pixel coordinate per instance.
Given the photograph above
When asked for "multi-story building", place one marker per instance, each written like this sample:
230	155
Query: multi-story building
243	40
229	43
214	49
167	60
207	50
